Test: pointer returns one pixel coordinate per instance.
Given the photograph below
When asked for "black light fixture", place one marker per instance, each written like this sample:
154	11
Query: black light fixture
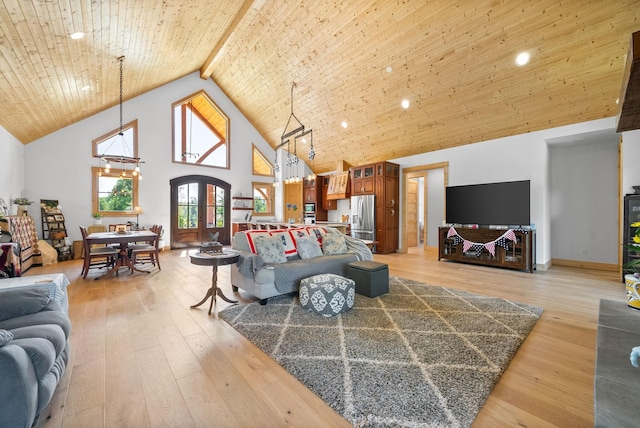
125	156
289	136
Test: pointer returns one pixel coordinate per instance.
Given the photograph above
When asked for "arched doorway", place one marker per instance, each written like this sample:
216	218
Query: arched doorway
199	205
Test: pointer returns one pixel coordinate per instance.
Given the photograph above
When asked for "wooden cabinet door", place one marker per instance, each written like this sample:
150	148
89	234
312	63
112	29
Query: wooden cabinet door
293	202
391	190
327	204
364	186
310	194
310	190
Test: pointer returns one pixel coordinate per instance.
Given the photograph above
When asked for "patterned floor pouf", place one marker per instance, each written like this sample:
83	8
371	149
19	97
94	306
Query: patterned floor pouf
327	294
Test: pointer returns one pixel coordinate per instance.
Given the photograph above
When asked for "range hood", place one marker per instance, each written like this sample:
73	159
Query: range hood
339	186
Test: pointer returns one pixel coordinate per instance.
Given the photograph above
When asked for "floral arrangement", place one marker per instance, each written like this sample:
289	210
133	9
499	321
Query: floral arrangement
96	215
22	201
634	247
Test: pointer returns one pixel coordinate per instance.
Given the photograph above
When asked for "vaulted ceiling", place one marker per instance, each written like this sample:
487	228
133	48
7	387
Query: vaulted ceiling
351	61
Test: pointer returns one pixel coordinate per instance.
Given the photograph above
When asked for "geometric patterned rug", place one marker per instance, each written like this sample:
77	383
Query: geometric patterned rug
421	355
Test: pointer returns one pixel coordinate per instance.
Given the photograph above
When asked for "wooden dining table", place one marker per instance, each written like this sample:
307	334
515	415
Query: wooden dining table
124	239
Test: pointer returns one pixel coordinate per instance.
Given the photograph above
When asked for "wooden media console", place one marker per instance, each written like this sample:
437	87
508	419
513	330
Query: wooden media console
514	250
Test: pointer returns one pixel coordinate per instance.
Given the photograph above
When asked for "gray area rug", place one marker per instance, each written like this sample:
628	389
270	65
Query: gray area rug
421	355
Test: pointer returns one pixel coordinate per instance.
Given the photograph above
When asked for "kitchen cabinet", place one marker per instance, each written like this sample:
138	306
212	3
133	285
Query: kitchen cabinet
387	191
363	180
238	227
311	192
381	179
327	204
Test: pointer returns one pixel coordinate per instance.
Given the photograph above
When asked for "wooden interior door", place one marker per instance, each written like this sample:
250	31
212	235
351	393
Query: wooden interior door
200	205
412	212
293	202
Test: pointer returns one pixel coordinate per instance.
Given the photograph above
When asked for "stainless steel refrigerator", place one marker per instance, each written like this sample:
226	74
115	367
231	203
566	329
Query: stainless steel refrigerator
363	217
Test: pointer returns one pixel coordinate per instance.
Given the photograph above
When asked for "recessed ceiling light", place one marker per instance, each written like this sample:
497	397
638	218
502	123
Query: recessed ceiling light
523	58
77	35
405	104
85	88
389	69
344	124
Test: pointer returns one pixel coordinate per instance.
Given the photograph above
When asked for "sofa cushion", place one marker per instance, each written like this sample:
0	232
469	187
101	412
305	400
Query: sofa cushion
5	337
308	247
50	314
22	301
50	332
41	353
270	248
334	244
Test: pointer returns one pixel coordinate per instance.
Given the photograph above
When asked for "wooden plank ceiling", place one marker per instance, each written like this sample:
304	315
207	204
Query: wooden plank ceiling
454	62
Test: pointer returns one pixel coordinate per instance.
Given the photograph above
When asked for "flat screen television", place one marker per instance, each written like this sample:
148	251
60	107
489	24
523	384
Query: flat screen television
497	204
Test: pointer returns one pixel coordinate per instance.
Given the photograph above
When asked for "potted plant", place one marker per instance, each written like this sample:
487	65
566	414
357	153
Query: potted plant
97	218
632	276
22	204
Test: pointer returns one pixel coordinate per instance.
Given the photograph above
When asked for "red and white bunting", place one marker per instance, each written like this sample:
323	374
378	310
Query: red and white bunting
489	246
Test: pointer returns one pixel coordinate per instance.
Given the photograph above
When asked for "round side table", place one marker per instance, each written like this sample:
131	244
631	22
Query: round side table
214	260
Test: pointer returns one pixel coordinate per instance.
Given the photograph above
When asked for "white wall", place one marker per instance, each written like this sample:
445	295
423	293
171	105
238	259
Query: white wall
630	161
343	207
59	164
519	157
12	170
435	204
584	201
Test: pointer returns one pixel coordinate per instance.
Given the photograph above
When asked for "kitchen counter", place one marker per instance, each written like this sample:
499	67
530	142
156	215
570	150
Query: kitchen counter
342	227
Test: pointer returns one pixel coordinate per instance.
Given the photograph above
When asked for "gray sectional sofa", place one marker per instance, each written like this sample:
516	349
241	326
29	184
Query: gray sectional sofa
264	280
34	350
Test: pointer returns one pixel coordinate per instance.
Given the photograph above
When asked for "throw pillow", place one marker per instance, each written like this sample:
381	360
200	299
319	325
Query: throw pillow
287	240
250	236
308	247
333	244
270	248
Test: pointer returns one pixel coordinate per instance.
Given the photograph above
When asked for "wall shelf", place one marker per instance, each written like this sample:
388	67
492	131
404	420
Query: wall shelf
240	204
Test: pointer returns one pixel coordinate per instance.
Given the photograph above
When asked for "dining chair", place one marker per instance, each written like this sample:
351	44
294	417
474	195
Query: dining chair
96	228
148	253
99	257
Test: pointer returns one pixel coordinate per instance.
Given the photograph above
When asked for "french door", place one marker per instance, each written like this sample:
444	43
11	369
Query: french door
200	207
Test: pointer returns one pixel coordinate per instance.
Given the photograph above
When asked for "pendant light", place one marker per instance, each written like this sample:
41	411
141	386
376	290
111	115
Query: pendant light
125	156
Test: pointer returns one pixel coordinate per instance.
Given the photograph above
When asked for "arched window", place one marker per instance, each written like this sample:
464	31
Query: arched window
200	132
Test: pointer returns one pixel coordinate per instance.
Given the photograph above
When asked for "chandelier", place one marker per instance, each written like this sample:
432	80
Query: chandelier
298	133
125	156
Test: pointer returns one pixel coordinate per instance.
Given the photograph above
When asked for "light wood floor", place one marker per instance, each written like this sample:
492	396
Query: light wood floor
140	357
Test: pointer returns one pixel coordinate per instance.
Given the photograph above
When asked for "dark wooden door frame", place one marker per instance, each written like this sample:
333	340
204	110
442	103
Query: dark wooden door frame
202	180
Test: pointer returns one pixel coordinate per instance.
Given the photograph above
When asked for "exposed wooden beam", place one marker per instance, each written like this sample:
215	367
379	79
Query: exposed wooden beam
629	101
207	68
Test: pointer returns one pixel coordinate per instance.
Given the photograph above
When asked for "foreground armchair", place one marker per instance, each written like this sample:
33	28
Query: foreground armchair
34	350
